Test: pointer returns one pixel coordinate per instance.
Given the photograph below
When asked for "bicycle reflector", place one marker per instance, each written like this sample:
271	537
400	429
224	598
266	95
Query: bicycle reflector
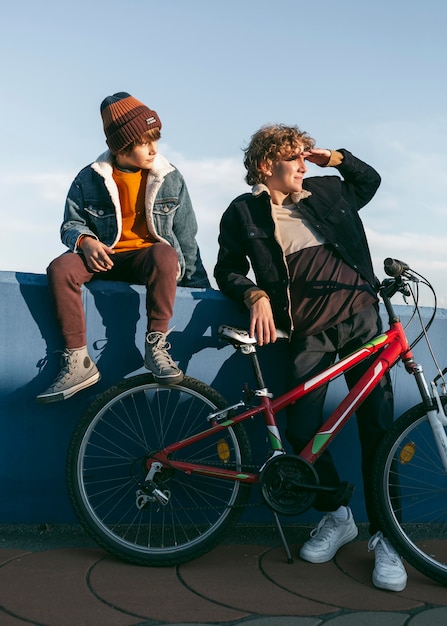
223	451
407	453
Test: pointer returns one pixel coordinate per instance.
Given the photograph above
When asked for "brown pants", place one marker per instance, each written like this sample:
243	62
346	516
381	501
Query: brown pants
156	267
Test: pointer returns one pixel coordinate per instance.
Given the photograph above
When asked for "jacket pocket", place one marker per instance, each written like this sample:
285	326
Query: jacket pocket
101	219
344	223
339	212
164	213
262	247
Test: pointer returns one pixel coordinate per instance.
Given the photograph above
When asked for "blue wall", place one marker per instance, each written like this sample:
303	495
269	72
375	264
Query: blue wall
35	437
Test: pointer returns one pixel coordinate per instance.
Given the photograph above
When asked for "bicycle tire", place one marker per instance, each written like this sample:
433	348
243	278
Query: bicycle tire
105	464
410	491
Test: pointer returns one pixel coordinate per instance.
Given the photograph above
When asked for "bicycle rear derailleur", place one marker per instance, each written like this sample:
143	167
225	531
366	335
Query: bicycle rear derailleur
150	492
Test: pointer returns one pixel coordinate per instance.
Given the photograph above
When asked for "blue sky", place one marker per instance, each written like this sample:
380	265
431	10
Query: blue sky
367	76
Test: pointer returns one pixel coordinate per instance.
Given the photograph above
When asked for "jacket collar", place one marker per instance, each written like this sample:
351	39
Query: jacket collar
104	165
257	190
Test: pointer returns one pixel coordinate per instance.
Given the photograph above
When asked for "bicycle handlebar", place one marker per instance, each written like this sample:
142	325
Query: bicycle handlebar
394	267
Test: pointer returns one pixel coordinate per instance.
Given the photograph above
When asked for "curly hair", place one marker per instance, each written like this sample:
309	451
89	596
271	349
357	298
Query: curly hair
271	143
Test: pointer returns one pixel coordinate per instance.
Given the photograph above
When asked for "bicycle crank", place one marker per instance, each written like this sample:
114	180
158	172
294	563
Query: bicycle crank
289	484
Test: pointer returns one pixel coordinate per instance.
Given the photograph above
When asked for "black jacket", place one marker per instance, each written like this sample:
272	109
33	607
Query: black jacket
247	232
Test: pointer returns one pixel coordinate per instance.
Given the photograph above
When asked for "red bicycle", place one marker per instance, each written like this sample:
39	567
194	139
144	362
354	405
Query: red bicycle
157	474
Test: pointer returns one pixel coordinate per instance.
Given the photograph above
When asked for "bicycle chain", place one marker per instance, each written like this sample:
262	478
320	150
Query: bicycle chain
248	505
223	507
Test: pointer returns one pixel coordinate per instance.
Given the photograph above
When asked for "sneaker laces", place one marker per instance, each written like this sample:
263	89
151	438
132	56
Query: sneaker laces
384	550
327	525
160	338
65	363
160	349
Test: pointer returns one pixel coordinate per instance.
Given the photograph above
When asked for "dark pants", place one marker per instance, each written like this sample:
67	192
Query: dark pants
156	267
311	355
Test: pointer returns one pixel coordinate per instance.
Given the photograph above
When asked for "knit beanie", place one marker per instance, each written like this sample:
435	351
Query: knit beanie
125	119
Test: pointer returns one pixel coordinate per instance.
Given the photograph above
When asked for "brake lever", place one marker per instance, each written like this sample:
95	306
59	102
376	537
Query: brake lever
391	286
404	289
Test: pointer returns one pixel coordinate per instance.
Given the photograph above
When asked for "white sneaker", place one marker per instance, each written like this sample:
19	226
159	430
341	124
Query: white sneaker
330	535
389	571
77	372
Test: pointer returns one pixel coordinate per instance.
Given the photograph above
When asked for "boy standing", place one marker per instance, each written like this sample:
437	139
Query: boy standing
128	217
314	278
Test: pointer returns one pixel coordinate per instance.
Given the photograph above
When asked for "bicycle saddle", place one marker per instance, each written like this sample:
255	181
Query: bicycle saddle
239	336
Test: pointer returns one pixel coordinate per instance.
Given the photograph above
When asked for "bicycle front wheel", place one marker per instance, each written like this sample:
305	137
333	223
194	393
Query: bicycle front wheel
107	464
410	484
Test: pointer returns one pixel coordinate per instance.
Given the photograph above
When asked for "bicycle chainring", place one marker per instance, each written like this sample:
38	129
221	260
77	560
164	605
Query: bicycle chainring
287	484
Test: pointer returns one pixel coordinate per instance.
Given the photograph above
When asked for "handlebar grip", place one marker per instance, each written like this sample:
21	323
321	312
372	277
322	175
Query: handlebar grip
394	267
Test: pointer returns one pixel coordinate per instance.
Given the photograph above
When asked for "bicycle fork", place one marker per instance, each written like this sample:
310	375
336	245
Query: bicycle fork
438	421
435	409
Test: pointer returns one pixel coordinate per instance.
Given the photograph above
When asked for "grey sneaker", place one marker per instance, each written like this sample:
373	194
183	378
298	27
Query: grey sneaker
158	360
77	372
389	571
330	535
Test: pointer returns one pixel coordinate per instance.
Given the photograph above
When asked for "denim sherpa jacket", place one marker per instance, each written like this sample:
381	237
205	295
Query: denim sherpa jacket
93	208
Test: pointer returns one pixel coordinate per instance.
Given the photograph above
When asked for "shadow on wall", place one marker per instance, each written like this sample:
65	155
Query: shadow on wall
36	437
116	322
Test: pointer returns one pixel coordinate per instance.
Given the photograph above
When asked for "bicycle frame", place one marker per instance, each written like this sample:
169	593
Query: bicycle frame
158	473
390	346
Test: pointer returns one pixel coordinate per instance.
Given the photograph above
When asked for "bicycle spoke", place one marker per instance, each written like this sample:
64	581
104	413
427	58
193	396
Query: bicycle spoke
411	493
108	467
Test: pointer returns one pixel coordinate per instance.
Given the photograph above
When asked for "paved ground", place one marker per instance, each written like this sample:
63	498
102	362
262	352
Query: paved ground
54	576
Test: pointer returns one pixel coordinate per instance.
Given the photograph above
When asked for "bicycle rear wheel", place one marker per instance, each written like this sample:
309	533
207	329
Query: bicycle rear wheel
410	485
106	465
